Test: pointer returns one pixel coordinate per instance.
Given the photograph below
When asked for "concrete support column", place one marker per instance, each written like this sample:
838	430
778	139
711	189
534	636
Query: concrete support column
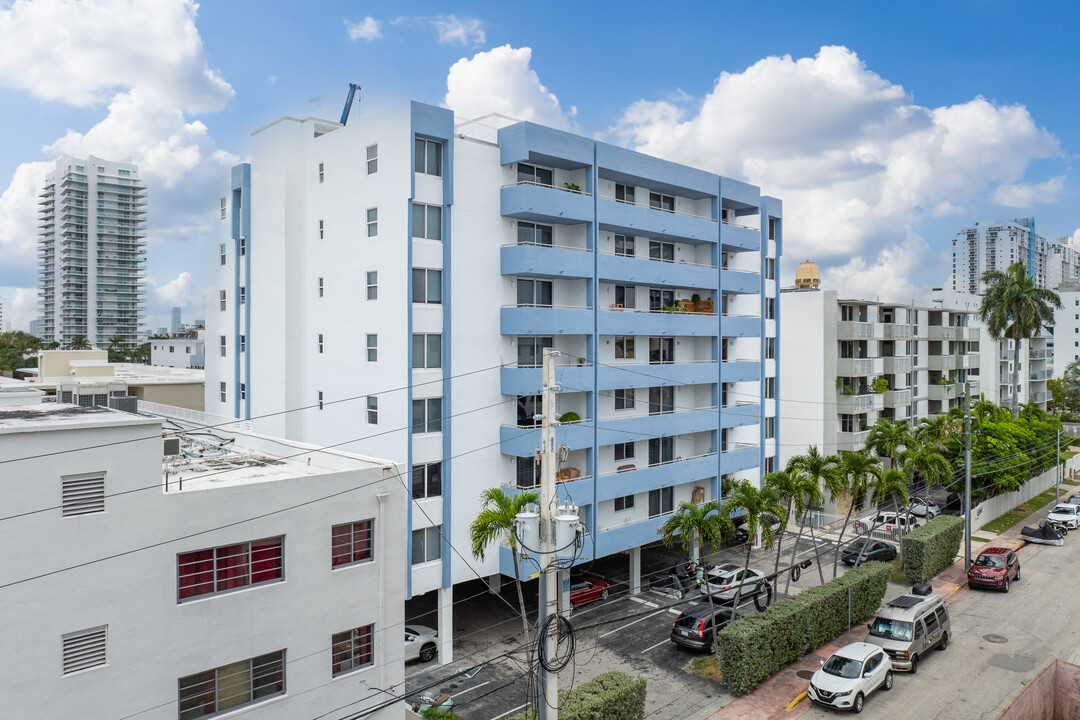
446	625
635	571
494	583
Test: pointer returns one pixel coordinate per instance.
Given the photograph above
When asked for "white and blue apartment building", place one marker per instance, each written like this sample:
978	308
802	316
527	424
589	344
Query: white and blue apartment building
388	287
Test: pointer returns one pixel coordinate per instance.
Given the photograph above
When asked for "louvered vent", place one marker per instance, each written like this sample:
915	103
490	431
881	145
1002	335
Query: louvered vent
83	494
85	649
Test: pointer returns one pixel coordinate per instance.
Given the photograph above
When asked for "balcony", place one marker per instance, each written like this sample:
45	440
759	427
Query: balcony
896	365
849	330
856	367
740	456
945	332
968	361
545	203
554	320
740	281
523	441
847	404
643	477
645	271
851	441
634	219
896	331
1039	355
740	414
949	391
527	380
657	323
546	261
740	370
897	398
1040	375
1040	397
942	363
740	325
739	237
639	375
612	430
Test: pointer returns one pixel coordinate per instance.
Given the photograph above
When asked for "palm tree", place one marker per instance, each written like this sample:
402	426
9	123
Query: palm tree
888	438
495	524
786	488
925	462
1014	307
891	485
938	429
696	525
79	342
861	468
755	503
822	473
807	494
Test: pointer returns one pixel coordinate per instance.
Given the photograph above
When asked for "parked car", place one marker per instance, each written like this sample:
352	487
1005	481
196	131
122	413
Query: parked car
420	643
696	626
995	568
587	590
849	675
1074	499
1065	514
909	626
924	507
888	521
740	527
856	554
723	581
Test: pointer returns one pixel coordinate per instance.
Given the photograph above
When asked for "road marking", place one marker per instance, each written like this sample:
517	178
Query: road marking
509	712
644	602
665	640
673	611
612	632
474	687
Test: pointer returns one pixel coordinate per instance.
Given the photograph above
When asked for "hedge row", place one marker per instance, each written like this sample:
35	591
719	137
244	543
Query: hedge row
757	646
929	549
611	696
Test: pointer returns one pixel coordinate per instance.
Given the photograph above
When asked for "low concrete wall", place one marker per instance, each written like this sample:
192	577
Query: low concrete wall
1053	694
998	505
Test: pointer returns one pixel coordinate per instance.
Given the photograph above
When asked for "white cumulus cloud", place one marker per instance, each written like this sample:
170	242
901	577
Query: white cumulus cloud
20	306
464	31
502	80
367	29
887	276
18	220
1024	195
179	291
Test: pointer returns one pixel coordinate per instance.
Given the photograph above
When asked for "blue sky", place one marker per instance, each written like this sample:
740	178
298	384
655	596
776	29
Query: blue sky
884	128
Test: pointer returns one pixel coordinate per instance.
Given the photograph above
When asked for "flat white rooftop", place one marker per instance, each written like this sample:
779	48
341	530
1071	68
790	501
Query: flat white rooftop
39	417
129	373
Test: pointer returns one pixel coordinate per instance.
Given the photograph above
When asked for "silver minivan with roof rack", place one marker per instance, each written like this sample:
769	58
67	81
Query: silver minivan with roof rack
909	626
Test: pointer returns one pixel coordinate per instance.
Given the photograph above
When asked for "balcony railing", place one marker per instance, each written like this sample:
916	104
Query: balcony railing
577	191
658	209
677	459
849	329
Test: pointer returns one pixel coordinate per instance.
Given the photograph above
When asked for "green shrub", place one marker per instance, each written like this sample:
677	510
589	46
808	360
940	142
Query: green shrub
611	696
931	548
757	646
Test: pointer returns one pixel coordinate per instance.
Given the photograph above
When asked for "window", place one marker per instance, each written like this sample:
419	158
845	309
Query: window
427	286
661	350
624	296
85	649
770	428
372	222
322	230
534	293
322	287
221	390
187	348
770	268
624	503
770	463
221	300
427	480
427	221
428	158
772	228
427	351
658	201
320	343
320	400
82	494
353	649
243	295
624	451
661	450
232	686
243	391
624	193
372	347
533	174
372	159
661	400
322	173
660	299
216	570
770	348
624	348
770	309
373	285
530	350
223	347
243	246
528	472
624	245
243	343
372	410
528	407
426	545
624	399
770	387
662	251
352	543
172	348
533	234
661	501
221	252
427	415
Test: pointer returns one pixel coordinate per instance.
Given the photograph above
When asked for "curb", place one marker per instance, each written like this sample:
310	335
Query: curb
798	699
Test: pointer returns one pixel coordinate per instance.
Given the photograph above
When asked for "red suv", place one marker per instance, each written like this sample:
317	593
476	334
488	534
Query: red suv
994	568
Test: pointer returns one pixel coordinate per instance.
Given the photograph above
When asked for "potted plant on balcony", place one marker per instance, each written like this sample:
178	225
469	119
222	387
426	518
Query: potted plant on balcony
569	417
672	309
879	385
686	306
572	187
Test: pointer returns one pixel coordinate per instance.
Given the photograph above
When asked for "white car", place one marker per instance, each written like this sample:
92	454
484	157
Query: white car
420	643
1067	514
722	582
924	507
853	672
887	522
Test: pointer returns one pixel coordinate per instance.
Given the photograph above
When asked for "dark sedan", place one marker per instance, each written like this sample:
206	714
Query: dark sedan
855	554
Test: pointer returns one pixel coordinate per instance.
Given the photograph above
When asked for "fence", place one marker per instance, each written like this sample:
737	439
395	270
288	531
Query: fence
205	419
998	505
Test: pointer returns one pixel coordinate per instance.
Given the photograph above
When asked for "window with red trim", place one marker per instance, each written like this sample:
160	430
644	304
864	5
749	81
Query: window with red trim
352	543
215	570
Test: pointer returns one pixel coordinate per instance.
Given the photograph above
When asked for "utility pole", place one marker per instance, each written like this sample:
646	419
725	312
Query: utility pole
1057	468
967	476
549	585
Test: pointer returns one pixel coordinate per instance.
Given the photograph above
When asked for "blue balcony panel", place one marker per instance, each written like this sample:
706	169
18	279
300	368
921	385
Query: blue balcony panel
522	442
539	203
740	459
614	377
527	381
634	168
739	238
527	569
737	371
545	321
529	142
580	491
644	427
630	322
641	220
742	195
545	262
740	415
630	535
647	478
734	281
738	326
642	271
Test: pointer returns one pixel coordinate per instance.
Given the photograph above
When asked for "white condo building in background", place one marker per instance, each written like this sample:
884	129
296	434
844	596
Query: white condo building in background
1067	326
92	251
392	284
980	248
226	572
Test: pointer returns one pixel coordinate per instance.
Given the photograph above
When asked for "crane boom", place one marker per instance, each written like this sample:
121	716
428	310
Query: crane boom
353	87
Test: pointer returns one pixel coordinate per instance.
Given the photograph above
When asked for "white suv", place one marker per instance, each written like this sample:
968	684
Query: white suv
853	672
1067	514
723	583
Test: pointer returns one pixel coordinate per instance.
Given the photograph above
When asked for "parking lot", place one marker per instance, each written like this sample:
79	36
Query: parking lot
628	633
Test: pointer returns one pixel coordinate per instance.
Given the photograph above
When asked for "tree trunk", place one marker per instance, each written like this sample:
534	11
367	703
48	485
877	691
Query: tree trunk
817	555
1016	379
521	607
715	629
840	542
780	540
738	590
794	552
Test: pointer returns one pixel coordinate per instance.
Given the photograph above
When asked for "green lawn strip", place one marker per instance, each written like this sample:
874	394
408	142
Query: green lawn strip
1070	482
1065	455
976	538
1020	512
707	667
